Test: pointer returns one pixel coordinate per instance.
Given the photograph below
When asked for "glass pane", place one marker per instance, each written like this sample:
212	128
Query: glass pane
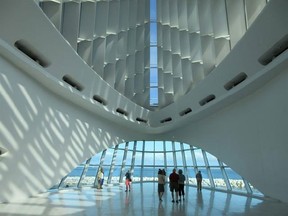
89	178
153	96
232	174
186	146
108	156
153	8
116	174
199	157
212	160
73	177
119	157
168	145
188	158
149	173
177	146
131	145
159	159
169	157
153	56
91	171
191	176
218	178
235	180
96	159
205	181
138	158
121	146
153	33
153	77
148	158
149	146
179	159
159	146
77	171
117	170
137	173
139	146
129	158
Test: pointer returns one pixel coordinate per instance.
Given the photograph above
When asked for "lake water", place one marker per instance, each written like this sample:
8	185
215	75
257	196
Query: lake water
151	172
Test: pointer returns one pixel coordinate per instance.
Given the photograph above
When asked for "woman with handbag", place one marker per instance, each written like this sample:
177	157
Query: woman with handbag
128	181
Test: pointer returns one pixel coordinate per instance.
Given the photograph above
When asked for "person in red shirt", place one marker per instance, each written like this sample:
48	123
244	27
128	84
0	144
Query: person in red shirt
174	186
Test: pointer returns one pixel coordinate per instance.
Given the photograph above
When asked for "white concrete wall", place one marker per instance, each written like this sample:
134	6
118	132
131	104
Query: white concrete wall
48	127
249	135
45	135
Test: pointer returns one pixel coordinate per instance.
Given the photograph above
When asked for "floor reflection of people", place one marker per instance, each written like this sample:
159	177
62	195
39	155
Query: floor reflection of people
161	210
199	200
182	209
127	201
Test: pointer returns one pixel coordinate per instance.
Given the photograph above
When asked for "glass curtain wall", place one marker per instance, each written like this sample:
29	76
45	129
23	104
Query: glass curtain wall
145	158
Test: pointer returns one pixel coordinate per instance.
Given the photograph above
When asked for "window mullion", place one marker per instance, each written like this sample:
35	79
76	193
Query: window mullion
112	164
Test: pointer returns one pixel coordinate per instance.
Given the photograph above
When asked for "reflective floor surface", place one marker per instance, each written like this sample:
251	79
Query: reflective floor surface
142	200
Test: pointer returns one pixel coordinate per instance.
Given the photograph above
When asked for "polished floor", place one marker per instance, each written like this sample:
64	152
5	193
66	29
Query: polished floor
141	200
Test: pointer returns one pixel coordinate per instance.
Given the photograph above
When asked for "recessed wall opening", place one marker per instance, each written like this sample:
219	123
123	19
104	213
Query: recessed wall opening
207	99
141	120
99	100
277	49
122	112
69	80
235	81
2	151
185	112
31	52
166	120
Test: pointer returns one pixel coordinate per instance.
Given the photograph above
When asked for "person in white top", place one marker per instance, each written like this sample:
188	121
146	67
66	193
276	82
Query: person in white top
100	178
161	183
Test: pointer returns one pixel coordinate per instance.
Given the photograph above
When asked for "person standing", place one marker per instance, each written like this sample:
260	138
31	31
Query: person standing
199	181
181	182
128	180
161	183
100	178
164	172
174	186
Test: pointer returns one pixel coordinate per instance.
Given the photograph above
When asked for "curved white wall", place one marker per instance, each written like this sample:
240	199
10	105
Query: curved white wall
48	127
249	135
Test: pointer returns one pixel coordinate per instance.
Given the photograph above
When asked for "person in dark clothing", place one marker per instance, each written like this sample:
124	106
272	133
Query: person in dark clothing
128	180
181	182
174	186
161	183
199	181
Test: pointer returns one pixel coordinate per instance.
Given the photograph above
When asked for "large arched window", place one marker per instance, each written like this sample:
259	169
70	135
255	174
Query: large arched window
145	158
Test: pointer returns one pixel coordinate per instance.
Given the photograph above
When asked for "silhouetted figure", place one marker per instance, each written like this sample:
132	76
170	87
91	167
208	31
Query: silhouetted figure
174	186
199	181
181	182
161	183
128	180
